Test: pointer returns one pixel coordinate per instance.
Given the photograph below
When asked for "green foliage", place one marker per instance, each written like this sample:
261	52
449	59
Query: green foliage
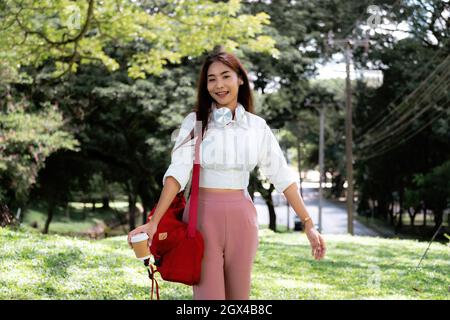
394	143
77	32
412	198
434	187
35	266
26	140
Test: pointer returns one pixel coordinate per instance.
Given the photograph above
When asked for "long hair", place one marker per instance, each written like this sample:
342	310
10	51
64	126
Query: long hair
202	107
204	99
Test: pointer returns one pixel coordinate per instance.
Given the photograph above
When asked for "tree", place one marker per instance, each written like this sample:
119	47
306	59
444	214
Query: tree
386	169
27	138
73	33
434	188
6	217
44	46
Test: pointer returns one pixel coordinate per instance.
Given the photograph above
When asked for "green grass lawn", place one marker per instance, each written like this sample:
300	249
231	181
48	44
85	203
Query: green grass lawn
36	266
79	220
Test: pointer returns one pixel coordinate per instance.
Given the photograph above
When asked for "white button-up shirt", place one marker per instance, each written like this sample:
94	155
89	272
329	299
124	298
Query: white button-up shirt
229	153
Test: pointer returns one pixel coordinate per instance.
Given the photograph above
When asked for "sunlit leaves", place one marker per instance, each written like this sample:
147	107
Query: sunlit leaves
27	139
76	32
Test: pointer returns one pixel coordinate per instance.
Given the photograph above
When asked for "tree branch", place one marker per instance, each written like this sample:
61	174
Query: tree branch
63	42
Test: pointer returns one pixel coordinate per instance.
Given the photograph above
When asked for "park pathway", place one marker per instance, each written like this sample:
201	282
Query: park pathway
334	214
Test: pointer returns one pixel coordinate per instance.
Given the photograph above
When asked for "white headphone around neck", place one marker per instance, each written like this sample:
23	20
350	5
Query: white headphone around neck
223	116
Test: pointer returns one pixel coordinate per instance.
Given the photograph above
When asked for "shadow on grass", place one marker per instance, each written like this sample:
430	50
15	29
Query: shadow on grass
58	263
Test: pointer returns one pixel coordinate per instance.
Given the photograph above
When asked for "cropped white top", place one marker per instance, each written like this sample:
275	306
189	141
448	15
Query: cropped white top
228	153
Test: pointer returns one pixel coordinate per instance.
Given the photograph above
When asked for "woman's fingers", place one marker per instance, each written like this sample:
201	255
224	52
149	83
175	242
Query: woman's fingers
134	232
319	253
318	247
322	243
129	239
323	246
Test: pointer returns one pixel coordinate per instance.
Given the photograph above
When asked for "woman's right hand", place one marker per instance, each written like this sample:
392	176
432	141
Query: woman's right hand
148	228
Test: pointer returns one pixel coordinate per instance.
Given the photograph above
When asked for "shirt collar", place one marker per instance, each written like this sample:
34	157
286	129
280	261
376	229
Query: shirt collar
240	117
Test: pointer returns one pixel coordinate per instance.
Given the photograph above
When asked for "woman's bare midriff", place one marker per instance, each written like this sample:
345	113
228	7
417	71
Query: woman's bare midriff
219	190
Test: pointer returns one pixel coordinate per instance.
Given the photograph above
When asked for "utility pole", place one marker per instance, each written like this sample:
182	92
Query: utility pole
321	151
287	203
321	108
299	167
349	139
348	45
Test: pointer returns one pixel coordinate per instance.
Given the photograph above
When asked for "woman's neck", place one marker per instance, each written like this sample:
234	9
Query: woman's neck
232	106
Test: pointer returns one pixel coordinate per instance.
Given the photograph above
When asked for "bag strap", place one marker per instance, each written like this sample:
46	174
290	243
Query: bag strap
151	274
193	206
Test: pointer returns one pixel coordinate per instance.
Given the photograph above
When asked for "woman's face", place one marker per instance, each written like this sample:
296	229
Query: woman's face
223	84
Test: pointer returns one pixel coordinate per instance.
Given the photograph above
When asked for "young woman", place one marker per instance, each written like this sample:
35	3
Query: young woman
235	140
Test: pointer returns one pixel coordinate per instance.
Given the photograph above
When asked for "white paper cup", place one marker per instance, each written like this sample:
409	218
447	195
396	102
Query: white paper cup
140	246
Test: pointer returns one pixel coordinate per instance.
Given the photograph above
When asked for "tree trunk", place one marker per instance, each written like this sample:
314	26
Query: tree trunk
83	216
400	212
132	210
438	217
267	196
51	209
66	210
412	215
272	217
147	200
398	221
105	201
6	216
337	185
424	208
401	197
391	214
145	210
382	208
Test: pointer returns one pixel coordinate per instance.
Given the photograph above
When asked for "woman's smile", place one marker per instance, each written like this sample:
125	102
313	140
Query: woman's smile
223	84
222	94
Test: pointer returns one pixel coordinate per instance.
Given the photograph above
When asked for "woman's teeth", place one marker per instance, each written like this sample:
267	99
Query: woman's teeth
222	94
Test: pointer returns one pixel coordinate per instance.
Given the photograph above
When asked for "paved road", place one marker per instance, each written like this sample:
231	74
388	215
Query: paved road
334	215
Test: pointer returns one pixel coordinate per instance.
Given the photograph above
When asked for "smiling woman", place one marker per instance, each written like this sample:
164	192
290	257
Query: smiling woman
234	141
223	84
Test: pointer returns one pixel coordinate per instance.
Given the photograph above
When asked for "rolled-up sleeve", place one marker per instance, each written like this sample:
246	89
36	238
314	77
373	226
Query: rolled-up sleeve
182	153
272	163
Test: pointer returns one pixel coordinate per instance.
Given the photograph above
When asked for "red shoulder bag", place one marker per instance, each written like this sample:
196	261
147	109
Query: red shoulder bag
178	247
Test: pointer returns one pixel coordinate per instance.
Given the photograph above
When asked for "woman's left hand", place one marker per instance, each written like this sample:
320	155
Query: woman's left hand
317	242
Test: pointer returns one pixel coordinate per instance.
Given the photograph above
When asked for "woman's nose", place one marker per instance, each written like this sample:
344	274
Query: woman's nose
219	85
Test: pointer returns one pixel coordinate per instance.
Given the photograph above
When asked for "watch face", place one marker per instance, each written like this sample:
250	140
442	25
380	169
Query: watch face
223	116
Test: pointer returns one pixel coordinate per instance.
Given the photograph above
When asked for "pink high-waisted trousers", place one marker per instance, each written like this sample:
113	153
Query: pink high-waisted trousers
229	225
